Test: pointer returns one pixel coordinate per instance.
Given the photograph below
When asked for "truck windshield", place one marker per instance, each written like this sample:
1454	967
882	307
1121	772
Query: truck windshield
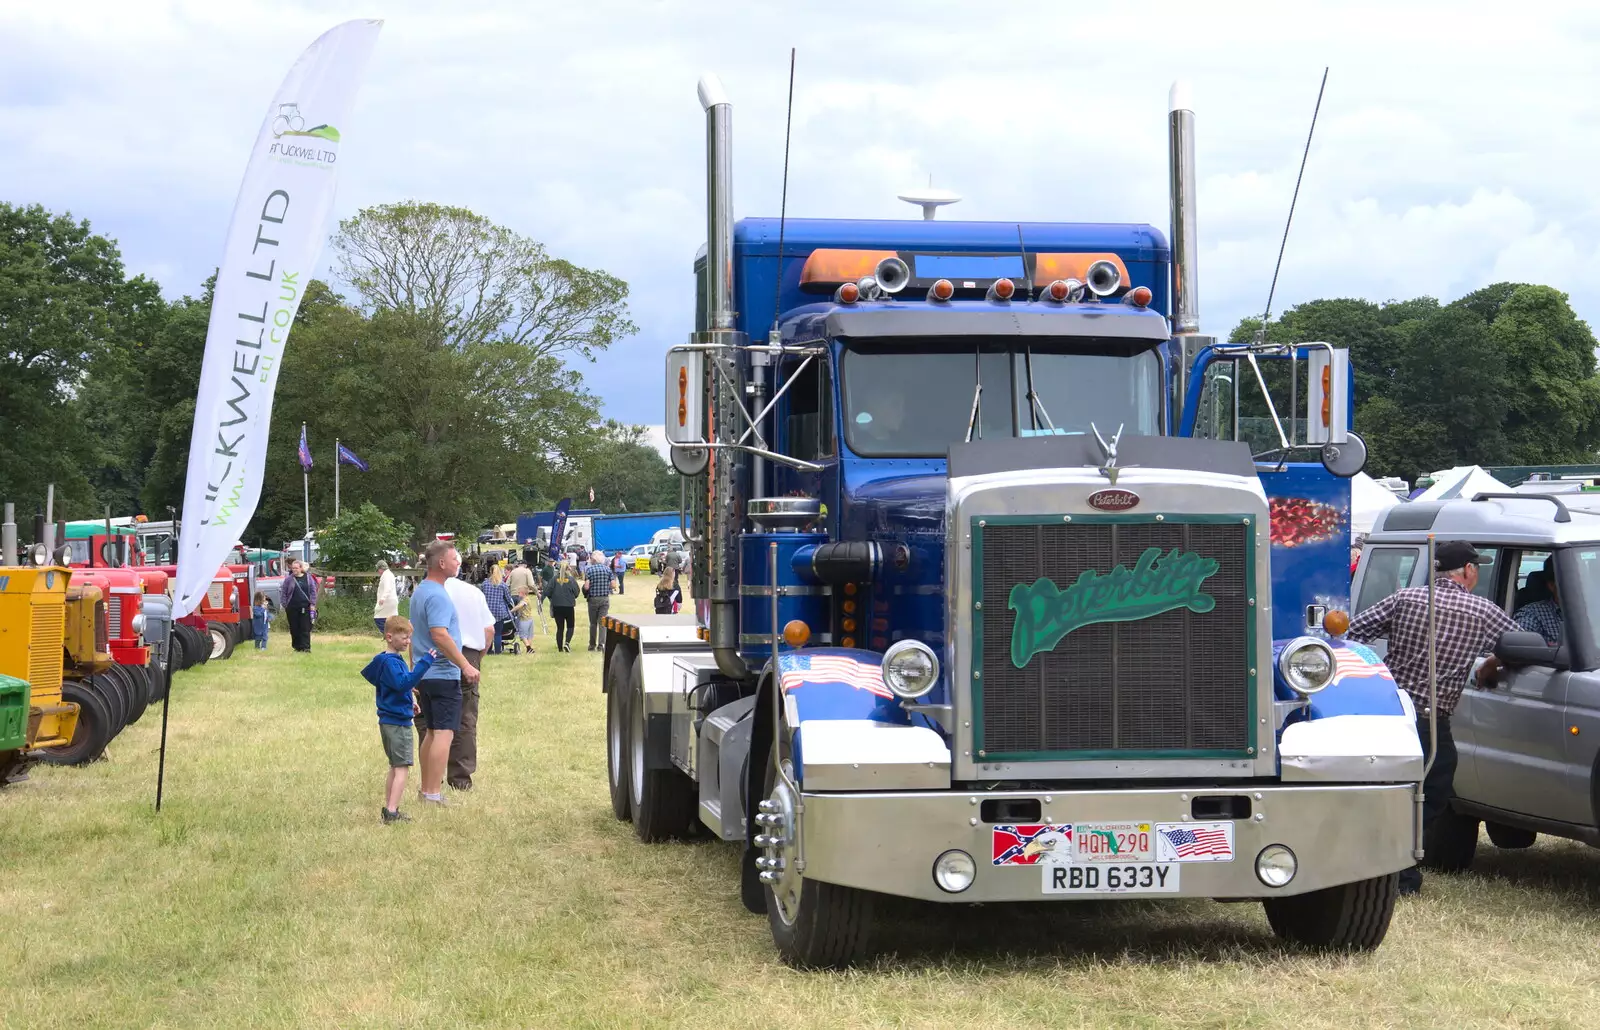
906	398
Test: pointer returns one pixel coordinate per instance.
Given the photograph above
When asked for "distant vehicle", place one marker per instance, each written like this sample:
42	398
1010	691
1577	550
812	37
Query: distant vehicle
639	557
1529	748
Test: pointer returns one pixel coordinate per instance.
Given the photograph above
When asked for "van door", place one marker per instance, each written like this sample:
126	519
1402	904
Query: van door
1515	731
1383	570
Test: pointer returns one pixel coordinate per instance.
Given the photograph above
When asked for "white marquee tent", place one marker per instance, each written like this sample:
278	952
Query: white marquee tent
1368	500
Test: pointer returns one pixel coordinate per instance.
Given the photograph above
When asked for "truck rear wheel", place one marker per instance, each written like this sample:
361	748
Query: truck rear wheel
1451	842
814	925
1349	917
617	683
221	639
1511	838
663	800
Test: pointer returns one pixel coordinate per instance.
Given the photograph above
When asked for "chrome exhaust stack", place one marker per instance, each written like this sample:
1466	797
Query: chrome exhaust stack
725	502
1185	301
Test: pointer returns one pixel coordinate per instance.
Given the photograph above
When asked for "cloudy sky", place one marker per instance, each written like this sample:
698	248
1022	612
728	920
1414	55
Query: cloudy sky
1457	146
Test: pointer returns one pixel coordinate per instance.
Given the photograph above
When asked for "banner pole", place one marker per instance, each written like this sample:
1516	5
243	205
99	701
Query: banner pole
166	699
336	477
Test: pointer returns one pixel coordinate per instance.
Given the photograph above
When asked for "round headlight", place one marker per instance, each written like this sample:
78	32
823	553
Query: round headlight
954	871
39	554
138	623
910	669
1276	865
1306	664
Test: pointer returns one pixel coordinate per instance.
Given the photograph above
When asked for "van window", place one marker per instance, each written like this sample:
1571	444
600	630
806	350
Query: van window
1386	569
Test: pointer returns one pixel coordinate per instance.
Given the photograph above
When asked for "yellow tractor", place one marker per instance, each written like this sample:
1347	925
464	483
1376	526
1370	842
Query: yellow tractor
33	631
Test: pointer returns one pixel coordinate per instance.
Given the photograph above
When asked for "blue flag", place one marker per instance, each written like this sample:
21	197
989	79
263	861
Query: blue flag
305	449
348	457
559	526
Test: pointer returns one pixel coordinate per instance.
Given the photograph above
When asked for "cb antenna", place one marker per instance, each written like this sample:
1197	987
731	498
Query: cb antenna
783	205
1267	314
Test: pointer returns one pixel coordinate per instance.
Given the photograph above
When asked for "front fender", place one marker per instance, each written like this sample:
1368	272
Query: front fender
847	732
1361	728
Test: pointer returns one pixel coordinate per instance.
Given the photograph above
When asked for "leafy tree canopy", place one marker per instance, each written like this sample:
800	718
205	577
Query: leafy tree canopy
356	538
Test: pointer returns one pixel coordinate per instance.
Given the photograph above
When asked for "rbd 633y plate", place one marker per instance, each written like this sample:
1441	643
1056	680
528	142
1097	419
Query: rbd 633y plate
1111	878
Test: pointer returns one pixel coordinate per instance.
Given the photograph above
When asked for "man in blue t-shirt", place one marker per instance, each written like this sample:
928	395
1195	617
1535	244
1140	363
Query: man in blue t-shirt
433	615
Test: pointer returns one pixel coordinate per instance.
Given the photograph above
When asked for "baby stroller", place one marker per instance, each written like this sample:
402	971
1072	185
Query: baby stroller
509	641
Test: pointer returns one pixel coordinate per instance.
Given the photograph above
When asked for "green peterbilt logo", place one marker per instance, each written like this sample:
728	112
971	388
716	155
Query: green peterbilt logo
1155	584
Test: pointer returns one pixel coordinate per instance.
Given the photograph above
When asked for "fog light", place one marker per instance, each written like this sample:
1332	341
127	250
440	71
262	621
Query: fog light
954	871
1276	865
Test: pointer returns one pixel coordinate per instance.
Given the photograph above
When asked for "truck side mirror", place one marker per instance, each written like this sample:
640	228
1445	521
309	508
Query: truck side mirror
1518	648
1328	398
685	415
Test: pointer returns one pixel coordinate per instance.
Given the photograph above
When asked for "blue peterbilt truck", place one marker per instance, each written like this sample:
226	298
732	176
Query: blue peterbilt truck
992	599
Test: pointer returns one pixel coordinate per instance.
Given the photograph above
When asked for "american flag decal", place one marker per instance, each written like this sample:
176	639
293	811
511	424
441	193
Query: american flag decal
1198	842
1356	661
798	669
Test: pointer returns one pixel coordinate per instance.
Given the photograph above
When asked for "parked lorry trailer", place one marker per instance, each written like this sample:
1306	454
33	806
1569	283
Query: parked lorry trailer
620	533
991	601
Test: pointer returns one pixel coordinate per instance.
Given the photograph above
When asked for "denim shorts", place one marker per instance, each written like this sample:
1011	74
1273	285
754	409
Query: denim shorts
397	745
441	704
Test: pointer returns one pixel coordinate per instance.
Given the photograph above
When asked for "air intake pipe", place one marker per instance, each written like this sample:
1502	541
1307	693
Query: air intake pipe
725	502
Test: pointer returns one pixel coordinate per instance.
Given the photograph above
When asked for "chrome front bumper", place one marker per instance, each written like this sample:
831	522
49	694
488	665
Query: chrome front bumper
887	842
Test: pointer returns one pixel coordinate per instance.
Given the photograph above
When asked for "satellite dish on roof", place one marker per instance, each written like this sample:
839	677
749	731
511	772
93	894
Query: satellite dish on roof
929	199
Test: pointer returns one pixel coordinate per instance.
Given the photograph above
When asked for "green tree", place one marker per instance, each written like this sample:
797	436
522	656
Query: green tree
465	280
1552	395
627	474
63	301
354	540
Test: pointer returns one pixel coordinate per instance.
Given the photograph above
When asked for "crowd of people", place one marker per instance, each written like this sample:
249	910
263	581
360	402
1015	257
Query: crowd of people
452	625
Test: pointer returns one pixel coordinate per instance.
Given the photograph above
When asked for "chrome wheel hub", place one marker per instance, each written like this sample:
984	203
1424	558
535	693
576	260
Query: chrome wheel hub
778	837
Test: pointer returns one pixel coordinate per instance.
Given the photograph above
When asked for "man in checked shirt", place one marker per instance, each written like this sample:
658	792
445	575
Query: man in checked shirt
1468	626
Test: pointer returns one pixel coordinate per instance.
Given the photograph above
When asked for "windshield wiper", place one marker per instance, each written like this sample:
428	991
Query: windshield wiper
977	396
1035	405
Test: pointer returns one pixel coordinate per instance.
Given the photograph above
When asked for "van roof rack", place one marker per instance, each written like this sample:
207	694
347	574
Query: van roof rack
1562	514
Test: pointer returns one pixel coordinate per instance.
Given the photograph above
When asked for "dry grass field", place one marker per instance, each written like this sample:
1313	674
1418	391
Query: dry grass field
266	894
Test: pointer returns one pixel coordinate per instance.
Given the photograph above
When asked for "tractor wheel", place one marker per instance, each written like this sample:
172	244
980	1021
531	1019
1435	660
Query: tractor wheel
1451	842
221	640
618	679
198	645
111	690
814	925
92	733
663	800
1349	917
132	679
1511	838
178	659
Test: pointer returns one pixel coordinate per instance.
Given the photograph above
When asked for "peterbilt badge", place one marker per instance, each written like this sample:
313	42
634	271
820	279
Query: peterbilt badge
1113	500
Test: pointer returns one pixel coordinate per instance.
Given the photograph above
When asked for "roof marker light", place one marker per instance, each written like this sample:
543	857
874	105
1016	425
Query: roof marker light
1139	296
942	290
1002	289
847	293
1057	291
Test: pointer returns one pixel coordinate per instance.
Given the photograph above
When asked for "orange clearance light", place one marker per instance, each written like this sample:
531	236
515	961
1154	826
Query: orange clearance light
850	607
1336	623
848	641
1002	289
850	588
944	289
849	293
796	633
683	395
1057	290
849	625
1139	296
1327	394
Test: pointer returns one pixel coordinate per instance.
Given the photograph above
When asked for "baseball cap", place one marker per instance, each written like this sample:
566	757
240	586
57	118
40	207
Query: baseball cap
1456	554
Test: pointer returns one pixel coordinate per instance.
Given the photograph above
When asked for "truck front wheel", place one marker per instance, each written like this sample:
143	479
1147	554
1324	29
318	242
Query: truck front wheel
1349	917
814	925
617	760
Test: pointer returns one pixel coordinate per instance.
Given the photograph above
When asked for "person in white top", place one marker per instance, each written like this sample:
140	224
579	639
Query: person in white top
477	633
388	597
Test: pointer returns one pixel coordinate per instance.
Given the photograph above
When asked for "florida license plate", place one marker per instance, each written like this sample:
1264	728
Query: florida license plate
1113	842
1111	878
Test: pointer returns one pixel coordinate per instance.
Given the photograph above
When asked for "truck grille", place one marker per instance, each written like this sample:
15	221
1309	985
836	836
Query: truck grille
1170	684
114	611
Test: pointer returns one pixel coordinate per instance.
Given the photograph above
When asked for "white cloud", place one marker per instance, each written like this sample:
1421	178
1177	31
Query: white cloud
1454	149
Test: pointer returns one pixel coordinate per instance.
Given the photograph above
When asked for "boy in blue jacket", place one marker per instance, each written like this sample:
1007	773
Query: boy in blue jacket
394	683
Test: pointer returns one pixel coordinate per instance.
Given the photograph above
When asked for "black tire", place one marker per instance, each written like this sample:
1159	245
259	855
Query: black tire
222	640
132	677
1511	838
618	676
1451	842
832	925
179	658
92	733
1349	917
115	695
199	645
663	800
